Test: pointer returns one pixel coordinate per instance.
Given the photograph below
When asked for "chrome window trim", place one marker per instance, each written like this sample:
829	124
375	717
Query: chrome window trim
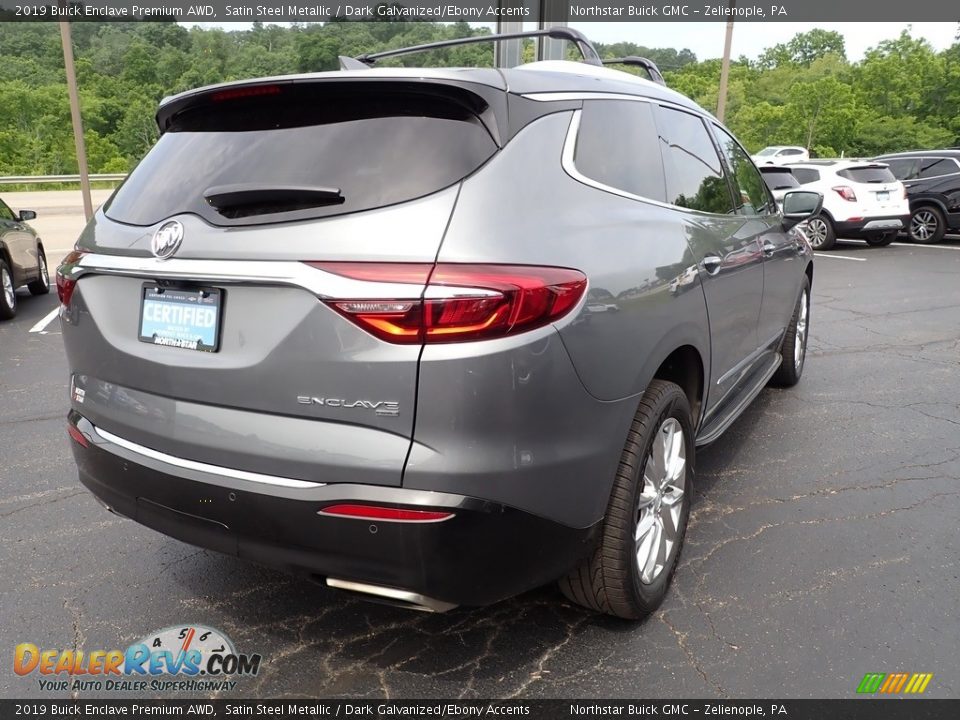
204	467
570	146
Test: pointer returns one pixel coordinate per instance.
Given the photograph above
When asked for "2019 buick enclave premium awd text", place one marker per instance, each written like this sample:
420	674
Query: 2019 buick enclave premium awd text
341	323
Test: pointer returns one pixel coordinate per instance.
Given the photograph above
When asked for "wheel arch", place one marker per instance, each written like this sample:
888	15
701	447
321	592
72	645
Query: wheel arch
684	367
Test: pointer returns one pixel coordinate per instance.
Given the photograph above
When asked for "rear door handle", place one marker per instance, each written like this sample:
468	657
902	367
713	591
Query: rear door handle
712	263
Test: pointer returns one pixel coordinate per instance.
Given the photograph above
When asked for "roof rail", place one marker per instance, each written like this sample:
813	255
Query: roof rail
649	65
587	51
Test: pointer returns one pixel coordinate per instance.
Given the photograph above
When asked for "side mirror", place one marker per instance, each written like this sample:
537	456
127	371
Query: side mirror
27	215
800	205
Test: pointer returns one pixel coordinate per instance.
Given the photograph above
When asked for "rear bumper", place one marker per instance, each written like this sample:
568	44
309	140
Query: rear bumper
868	227
486	552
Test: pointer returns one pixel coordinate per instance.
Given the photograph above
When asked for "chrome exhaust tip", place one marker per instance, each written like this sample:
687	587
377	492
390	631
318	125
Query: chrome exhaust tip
404	598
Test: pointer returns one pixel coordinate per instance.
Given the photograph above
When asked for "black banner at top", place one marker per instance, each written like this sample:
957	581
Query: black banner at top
480	10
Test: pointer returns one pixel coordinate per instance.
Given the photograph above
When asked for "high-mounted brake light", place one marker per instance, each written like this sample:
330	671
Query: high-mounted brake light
846	192
453	303
388	514
245	92
65	284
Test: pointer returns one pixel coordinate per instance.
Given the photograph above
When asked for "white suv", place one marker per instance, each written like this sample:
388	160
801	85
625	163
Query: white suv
781	155
861	199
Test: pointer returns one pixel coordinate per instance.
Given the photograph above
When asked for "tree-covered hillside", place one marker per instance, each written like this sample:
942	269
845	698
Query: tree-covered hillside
902	95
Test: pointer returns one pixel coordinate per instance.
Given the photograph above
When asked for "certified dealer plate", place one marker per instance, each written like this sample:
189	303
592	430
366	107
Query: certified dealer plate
183	318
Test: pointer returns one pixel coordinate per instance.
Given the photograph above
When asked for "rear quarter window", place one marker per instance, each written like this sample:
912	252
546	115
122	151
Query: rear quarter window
805	176
618	146
377	147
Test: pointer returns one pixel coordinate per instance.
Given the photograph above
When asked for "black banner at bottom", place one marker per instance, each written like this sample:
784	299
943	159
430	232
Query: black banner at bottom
853	709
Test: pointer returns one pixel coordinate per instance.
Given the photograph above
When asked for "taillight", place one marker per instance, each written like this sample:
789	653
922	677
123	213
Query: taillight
458	302
904	191
846	192
65	283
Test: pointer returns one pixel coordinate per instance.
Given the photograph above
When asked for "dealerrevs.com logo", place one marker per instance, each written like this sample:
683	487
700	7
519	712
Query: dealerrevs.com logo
179	658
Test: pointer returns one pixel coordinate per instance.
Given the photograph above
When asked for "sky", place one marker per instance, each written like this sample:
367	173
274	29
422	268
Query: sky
705	39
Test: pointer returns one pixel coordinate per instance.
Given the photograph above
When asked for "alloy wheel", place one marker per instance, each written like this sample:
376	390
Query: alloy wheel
923	225
800	345
816	231
660	504
7	282
44	277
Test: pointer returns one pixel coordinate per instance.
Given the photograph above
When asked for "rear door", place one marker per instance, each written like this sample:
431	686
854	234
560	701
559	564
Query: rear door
783	252
725	245
294	206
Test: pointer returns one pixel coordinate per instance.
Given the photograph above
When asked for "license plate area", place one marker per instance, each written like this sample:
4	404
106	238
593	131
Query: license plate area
883	195
181	317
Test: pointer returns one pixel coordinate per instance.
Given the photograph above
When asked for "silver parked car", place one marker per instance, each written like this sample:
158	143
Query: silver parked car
433	336
22	260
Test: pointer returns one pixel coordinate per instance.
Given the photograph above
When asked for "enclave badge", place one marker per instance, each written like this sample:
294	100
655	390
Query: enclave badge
166	240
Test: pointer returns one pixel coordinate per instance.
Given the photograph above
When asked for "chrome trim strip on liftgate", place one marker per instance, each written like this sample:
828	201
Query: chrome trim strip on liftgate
203	467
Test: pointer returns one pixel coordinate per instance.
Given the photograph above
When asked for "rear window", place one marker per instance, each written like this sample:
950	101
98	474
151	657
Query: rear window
303	152
780	180
868	174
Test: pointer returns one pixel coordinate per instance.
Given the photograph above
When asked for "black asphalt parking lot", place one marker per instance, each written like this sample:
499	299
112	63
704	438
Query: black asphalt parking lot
823	542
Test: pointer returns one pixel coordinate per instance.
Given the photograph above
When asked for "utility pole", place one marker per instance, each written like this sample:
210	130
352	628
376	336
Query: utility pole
78	142
725	66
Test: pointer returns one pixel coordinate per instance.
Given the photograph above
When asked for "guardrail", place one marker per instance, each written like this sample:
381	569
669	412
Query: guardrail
53	179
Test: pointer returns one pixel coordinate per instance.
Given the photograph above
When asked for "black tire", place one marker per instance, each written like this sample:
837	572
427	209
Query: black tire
927	225
610	580
8	296
882	240
40	286
820	232
791	367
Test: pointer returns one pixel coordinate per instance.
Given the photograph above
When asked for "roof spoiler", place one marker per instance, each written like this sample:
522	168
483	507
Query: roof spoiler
636	61
586	48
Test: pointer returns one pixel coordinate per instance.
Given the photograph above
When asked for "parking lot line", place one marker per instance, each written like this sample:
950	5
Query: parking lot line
932	247
46	320
839	257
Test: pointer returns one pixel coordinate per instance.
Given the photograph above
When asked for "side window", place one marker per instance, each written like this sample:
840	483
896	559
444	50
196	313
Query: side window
933	167
905	169
618	146
750	192
695	177
5	212
805	176
793	151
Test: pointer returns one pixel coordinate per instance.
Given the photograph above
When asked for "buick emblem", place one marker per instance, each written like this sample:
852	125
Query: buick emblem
166	240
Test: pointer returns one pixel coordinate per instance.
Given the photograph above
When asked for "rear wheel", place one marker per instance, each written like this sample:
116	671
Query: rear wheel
794	347
927	225
881	240
629	570
8	295
820	232
40	286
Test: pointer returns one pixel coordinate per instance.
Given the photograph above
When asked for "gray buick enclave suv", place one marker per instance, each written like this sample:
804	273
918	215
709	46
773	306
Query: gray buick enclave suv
436	336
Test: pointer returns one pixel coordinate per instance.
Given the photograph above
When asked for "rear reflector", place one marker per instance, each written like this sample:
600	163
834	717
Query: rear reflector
73	432
454	303
65	285
386	514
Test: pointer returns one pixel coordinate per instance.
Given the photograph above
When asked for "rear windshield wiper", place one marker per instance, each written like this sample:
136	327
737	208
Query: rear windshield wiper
243	200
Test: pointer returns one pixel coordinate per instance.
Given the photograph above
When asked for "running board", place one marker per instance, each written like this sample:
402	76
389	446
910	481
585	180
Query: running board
403	598
719	425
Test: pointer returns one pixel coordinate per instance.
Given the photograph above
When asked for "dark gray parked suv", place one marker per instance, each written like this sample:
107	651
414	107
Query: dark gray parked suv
432	336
